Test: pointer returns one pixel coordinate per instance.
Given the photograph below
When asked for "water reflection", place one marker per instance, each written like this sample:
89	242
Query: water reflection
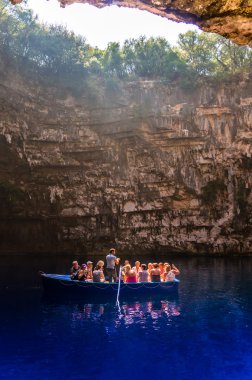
140	312
88	311
128	313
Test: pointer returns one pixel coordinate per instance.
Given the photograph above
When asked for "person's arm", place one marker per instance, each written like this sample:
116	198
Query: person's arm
102	277
175	270
150	274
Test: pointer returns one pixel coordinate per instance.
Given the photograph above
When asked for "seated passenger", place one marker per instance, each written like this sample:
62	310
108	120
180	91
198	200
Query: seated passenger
131	276
161	267
137	268
143	274
90	270
171	272
98	275
82	275
74	271
164	273
126	264
155	273
150	267
125	270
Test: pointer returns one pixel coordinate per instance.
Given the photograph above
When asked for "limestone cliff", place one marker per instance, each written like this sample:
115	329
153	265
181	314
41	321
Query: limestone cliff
149	167
230	18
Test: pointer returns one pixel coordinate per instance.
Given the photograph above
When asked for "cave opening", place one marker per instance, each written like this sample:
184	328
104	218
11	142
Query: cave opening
229	19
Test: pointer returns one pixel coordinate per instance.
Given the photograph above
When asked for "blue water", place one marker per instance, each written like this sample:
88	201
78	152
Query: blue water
203	333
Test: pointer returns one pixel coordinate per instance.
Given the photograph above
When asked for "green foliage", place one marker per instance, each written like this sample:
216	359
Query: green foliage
152	58
210	191
112	60
54	54
177	197
42	49
213	55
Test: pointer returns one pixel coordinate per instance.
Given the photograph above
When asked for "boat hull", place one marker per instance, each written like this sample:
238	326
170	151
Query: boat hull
62	285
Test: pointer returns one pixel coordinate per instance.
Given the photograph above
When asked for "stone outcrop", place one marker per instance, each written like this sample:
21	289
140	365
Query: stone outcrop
229	18
150	167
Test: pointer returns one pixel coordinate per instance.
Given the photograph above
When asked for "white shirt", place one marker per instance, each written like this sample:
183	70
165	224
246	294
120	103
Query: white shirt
110	261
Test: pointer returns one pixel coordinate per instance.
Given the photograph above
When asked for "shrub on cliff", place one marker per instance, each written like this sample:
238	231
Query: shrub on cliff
209	54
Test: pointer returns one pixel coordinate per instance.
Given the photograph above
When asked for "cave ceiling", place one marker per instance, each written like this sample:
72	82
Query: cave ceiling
229	18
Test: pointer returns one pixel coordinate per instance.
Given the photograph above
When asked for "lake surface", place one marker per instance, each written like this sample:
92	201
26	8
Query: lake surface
203	333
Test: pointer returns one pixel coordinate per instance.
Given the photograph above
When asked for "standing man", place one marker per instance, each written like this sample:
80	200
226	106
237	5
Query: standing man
111	262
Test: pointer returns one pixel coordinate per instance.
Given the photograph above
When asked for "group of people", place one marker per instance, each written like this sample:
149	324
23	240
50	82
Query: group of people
153	272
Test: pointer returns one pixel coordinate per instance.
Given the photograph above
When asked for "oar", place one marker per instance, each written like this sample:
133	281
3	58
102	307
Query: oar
119	286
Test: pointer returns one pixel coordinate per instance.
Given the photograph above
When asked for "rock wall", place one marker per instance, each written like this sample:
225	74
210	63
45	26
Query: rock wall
151	167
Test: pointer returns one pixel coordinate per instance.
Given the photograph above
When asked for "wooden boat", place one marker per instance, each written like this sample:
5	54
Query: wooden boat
55	284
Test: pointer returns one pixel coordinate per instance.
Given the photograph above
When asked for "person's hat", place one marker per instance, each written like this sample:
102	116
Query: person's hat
90	262
83	265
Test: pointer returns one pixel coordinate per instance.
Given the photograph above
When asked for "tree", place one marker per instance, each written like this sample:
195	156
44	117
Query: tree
113	60
213	55
151	58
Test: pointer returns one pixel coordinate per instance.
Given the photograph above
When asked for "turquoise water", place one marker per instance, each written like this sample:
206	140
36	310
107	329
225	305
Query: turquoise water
203	333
